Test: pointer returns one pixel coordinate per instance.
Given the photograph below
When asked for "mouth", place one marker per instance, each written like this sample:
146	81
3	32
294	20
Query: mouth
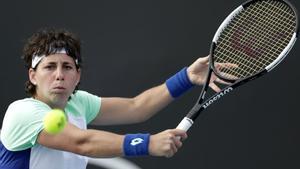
59	88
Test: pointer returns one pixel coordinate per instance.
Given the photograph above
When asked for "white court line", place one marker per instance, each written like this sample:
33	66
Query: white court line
113	163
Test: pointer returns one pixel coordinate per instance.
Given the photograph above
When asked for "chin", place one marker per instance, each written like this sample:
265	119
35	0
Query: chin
60	97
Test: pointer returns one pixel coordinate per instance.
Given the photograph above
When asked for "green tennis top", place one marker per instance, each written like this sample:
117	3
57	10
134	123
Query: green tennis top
23	120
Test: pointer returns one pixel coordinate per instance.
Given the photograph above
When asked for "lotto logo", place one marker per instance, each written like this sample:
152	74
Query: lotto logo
136	141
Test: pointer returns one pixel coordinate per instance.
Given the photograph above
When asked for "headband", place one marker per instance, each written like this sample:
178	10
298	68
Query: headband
37	58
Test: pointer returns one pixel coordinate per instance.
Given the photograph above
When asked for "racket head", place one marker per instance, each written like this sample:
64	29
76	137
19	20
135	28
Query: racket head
253	39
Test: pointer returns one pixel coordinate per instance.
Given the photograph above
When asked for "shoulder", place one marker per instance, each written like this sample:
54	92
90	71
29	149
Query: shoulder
28	102
25	108
81	93
84	104
22	121
82	97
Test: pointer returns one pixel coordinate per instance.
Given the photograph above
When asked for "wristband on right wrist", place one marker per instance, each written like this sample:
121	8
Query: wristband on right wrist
179	83
136	144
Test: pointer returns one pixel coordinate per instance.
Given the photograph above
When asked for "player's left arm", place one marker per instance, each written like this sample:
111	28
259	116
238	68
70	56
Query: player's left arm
116	110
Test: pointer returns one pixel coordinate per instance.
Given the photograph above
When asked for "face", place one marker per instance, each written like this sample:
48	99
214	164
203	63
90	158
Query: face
55	78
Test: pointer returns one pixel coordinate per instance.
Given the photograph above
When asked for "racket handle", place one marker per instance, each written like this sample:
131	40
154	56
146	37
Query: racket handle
185	124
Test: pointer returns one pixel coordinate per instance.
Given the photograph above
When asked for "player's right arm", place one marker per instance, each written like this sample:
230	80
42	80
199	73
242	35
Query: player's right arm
97	143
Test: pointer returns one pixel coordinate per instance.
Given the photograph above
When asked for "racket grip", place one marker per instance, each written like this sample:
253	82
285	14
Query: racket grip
185	124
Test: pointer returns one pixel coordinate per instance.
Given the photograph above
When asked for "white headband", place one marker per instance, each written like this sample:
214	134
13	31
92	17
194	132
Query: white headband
36	58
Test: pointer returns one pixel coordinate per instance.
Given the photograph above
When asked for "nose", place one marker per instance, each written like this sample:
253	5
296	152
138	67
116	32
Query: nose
59	74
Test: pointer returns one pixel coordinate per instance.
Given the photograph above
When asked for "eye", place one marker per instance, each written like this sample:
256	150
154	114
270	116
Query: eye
68	67
49	67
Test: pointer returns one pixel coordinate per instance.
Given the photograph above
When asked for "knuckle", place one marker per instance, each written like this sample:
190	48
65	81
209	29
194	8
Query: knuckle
168	130
170	136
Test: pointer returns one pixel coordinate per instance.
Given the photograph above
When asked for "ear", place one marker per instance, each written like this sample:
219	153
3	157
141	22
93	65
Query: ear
32	73
78	75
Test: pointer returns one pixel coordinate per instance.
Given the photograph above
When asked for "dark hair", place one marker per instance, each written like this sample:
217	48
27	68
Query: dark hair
48	41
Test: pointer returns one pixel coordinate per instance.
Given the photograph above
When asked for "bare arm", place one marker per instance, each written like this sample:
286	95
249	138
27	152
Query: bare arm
96	143
116	110
93	143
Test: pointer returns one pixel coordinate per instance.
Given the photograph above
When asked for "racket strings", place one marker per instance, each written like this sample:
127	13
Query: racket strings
273	18
264	38
254	63
257	63
255	38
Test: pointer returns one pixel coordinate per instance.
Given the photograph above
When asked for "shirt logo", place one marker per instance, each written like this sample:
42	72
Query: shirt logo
136	141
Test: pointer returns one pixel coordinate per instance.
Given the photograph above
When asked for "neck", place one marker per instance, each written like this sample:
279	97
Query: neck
54	103
57	105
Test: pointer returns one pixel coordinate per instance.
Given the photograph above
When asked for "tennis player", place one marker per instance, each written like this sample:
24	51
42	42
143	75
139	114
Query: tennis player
53	59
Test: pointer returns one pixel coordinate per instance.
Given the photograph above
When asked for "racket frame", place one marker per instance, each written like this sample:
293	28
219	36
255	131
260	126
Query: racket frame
189	119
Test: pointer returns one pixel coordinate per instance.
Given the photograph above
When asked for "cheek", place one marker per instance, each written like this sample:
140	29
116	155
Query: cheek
73	81
44	79
43	84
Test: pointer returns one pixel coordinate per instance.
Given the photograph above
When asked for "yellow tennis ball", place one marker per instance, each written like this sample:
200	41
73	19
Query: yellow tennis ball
54	121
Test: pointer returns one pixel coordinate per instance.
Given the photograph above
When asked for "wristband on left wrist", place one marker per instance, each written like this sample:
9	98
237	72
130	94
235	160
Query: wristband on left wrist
179	83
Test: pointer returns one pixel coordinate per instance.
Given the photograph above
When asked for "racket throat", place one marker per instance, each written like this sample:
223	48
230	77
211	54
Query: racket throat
216	97
198	107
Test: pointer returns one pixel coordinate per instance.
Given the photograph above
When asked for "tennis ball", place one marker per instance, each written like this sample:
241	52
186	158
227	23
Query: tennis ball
54	121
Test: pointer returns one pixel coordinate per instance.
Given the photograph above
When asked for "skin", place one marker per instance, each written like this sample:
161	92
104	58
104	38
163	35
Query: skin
56	77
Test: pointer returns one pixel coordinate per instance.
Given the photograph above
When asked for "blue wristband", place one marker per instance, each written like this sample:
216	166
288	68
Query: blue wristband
179	83
136	144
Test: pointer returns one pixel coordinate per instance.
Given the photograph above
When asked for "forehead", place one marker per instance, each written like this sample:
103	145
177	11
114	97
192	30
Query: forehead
56	58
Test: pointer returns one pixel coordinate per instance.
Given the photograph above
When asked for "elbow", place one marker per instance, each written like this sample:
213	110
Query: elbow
139	118
83	149
142	119
81	146
139	111
78	147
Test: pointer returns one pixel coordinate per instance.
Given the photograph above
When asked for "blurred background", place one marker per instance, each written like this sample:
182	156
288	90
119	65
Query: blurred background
129	46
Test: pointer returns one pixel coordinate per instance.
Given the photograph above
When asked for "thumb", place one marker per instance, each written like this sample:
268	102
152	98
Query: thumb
179	133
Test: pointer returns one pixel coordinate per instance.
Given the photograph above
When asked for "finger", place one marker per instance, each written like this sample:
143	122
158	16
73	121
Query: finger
220	66
176	131
170	148
222	81
204	59
178	143
169	155
173	148
225	65
179	133
183	136
214	87
228	76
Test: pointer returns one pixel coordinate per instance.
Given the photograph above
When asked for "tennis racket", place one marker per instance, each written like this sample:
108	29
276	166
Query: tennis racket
255	37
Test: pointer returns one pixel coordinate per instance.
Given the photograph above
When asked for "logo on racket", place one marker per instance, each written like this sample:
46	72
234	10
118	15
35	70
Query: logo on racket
217	97
241	43
136	141
253	46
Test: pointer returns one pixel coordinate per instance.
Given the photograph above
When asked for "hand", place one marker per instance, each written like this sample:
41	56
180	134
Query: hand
198	70
166	143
